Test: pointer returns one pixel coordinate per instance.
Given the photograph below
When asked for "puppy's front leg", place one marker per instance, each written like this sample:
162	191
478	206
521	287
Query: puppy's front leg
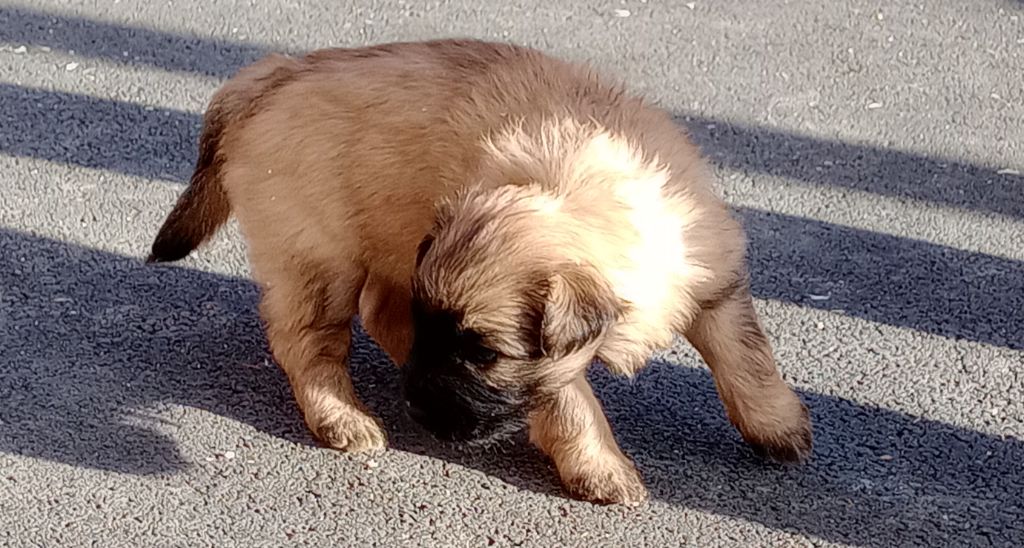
572	429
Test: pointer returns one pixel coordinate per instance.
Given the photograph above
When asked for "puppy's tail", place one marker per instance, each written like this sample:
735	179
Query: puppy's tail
204	206
201	209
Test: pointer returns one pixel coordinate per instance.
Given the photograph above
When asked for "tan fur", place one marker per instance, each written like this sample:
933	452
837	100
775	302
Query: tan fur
572	429
340	162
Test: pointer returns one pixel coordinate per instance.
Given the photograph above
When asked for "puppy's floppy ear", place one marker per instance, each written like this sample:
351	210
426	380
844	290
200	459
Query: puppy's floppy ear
580	305
424	246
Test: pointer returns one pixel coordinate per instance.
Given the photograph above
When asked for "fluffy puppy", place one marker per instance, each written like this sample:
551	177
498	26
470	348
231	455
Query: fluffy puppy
499	219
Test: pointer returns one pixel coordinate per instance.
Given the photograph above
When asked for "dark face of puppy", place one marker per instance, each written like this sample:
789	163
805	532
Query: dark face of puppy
498	325
445	384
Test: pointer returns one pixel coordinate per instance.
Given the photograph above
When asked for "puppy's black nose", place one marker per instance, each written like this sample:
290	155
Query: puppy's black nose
415	413
442	422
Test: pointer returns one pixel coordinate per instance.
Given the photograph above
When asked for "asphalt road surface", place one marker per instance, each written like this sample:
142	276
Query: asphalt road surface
874	150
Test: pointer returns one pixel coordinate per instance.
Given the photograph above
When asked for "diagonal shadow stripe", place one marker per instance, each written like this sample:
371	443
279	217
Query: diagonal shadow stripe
887	279
877	170
79	130
109	41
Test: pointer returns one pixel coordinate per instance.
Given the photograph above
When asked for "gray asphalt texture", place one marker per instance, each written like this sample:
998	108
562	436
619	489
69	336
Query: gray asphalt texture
874	151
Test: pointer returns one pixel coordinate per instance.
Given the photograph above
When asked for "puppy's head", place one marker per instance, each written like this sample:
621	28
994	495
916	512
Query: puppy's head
502	318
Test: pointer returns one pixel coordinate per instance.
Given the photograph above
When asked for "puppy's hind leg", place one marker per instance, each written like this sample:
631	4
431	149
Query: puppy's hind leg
571	428
308	310
767	412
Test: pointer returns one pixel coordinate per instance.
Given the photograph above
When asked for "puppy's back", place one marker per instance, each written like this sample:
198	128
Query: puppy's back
353	147
364	141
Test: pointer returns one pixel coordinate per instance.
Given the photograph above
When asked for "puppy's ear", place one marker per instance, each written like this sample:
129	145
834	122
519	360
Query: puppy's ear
424	246
580	306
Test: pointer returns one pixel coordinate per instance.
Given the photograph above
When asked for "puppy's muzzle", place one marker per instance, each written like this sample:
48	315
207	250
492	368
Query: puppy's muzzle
457	407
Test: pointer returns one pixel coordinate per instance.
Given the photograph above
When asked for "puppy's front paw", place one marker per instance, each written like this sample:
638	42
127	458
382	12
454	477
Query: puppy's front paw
351	430
612	482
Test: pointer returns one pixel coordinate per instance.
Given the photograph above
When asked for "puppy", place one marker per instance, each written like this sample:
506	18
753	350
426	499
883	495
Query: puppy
499	220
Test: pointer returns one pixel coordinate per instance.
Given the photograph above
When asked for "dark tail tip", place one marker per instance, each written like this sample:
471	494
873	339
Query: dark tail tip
166	250
198	213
